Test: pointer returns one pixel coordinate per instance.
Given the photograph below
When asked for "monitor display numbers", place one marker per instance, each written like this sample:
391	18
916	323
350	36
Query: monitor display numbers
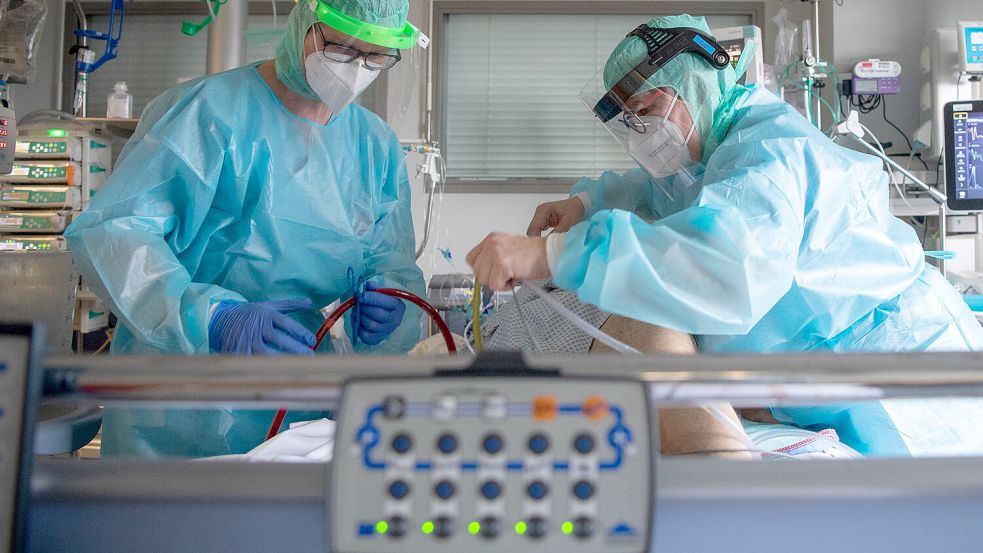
968	150
3	132
3	144
4	122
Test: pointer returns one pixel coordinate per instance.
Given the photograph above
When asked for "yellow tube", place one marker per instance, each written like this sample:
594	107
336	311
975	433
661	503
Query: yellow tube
476	315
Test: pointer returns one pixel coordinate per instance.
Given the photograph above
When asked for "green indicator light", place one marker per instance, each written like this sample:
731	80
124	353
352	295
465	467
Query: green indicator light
57	133
427	527
567	527
520	527
474	527
381	527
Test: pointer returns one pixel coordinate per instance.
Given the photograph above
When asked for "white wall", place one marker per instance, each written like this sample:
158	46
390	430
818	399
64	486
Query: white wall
887	30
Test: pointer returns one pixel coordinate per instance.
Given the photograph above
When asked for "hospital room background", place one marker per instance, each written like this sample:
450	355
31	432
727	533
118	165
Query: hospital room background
481	177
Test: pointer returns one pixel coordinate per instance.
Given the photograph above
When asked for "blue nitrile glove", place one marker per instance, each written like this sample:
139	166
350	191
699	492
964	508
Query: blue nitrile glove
378	315
259	328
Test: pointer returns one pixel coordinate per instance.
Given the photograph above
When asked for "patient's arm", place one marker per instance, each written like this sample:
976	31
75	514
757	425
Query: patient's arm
682	430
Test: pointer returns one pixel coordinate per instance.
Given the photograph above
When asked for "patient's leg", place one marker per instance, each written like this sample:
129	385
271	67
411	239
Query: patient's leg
682	430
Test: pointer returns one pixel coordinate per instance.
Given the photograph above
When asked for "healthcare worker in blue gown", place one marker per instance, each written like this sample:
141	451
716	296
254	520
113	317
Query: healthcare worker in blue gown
744	226
244	202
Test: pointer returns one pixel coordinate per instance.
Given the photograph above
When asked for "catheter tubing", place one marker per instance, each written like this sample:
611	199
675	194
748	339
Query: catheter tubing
333	318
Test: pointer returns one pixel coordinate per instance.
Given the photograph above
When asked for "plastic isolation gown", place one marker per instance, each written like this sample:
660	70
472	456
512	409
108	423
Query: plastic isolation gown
784	242
223	194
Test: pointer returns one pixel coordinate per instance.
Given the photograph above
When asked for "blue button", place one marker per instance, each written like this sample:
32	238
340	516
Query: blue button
538	444
444	489
583	490
402	443
366	529
447	444
537	490
584	444
493	443
491	489
399	489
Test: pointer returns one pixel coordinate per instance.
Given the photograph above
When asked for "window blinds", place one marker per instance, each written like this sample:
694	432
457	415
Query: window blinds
512	109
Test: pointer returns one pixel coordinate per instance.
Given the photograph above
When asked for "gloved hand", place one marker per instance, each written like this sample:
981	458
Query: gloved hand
559	216
378	315
259	328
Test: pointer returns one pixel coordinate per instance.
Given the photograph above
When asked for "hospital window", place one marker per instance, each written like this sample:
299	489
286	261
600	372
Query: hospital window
154	55
508	74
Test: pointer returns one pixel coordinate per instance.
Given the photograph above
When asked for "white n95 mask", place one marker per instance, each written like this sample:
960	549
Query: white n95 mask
337	84
661	150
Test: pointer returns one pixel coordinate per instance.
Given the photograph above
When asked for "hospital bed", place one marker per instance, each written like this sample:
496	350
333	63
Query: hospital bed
394	416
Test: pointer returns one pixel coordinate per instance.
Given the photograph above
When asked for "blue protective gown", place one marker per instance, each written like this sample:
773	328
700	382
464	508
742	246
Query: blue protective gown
223	194
784	242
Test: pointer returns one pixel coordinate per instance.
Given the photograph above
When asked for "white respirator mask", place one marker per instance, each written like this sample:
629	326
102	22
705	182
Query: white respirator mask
661	150
337	84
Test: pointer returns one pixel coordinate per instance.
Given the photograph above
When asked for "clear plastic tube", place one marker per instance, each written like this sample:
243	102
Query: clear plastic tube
583	325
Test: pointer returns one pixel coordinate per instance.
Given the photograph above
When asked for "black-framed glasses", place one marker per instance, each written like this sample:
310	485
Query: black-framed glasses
373	61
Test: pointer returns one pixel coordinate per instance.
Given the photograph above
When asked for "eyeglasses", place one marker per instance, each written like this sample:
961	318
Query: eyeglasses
630	120
373	61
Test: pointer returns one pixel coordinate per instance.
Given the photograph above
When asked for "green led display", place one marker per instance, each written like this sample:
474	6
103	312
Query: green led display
382	527
567	528
57	133
474	527
520	527
427	527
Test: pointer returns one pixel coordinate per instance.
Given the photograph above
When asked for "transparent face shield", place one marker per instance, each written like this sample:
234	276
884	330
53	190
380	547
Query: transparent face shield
362	53
657	126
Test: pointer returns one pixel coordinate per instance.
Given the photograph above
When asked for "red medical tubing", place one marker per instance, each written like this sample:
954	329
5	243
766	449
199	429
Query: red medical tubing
333	318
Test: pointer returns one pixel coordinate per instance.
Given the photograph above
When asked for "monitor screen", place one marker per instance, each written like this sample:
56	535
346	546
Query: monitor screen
964	155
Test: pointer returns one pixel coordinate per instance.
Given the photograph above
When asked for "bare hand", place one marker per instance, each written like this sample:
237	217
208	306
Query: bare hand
559	216
501	260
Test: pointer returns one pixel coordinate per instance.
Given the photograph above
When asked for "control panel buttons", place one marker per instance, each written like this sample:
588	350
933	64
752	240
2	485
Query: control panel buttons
544	408
490	490
583	490
393	407
402	443
397	527
444	489
491	527
447	444
495	407
537	490
399	489
583	444
539	444
443	527
583	527
536	527
444	407
493	444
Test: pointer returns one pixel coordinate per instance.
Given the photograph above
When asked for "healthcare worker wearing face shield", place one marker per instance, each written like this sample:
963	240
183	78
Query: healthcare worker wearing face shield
744	225
244	202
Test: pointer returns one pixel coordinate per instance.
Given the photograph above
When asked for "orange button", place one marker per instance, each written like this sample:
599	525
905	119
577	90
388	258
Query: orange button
544	408
595	408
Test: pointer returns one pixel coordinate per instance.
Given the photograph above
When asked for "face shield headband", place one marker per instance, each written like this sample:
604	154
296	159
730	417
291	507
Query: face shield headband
663	45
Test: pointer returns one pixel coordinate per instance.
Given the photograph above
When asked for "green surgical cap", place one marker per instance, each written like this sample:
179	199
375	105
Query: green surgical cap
702	87
289	52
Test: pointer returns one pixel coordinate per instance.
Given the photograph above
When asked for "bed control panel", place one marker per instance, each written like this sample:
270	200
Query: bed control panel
492	463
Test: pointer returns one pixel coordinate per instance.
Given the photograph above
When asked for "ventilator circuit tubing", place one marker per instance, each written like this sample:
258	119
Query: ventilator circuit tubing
583	325
333	318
